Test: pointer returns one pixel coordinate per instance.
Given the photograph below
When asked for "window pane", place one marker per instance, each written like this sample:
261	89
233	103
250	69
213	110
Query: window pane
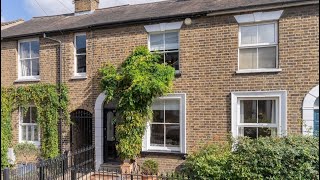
26	117
158	111
157	135
81	63
172	59
35	67
248	35
35	49
266	132
316	103
36	133
26	67
156	42
172	111
248	109
29	133
24	50
266	111
266	33
81	44
248	59
33	114
172	41
23	136
267	57
249	132
172	135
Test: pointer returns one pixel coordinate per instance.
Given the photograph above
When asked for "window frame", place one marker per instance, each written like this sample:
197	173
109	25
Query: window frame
182	123
280	98
259	45
76	74
165	51
37	143
20	77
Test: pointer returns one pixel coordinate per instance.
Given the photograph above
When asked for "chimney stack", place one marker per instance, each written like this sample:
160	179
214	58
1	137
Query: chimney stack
85	5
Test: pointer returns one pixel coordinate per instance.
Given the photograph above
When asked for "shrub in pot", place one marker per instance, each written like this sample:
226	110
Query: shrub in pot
149	169
26	152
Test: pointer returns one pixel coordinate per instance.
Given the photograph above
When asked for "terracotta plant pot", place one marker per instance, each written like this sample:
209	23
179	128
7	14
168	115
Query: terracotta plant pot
126	167
149	177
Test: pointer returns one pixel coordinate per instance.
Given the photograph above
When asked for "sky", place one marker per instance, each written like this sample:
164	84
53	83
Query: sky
26	9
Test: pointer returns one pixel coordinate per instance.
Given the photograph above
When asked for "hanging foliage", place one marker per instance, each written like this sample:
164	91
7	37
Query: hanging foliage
134	85
45	98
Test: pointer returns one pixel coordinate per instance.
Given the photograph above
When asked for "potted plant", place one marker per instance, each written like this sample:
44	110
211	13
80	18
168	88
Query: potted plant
149	169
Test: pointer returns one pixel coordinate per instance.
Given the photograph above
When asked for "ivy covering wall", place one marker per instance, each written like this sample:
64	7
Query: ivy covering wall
134	86
48	101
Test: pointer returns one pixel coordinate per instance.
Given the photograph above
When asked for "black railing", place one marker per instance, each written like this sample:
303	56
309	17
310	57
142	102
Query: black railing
63	167
78	166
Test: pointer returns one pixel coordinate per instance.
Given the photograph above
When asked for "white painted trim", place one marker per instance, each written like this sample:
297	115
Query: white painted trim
26	78
259	17
163	27
281	108
37	143
259	45
98	136
183	145
308	111
246	71
76	74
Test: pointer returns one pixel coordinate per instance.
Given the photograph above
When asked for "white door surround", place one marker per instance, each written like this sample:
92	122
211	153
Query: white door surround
308	111
98	127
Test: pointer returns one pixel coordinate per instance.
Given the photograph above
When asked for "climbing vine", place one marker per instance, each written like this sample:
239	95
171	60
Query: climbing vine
48	101
134	86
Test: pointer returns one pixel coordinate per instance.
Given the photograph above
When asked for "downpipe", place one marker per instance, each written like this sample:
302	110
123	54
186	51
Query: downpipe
60	84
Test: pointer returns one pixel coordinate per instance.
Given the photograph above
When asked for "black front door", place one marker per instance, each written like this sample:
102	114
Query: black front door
109	140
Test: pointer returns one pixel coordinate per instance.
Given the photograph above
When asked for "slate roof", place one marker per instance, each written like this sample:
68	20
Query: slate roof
132	13
10	23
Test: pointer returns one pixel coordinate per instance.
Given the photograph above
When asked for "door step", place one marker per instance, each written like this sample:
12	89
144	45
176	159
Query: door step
110	167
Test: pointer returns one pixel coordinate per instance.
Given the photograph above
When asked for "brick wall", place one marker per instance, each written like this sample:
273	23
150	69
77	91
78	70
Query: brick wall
208	62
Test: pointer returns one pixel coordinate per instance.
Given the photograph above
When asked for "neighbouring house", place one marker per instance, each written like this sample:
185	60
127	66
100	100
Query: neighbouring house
5	25
243	68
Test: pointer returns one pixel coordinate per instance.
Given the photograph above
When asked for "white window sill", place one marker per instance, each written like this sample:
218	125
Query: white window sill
36	143
28	80
79	77
246	71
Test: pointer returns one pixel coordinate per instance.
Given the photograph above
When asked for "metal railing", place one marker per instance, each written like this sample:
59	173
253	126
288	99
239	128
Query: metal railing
78	165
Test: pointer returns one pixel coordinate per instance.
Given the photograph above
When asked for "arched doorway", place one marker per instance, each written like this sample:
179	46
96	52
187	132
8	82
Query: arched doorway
81	129
310	113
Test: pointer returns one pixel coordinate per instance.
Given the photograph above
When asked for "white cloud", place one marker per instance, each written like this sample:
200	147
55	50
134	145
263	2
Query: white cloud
53	7
3	19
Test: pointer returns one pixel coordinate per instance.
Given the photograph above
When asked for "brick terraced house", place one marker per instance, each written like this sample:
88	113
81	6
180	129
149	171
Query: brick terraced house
243	68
